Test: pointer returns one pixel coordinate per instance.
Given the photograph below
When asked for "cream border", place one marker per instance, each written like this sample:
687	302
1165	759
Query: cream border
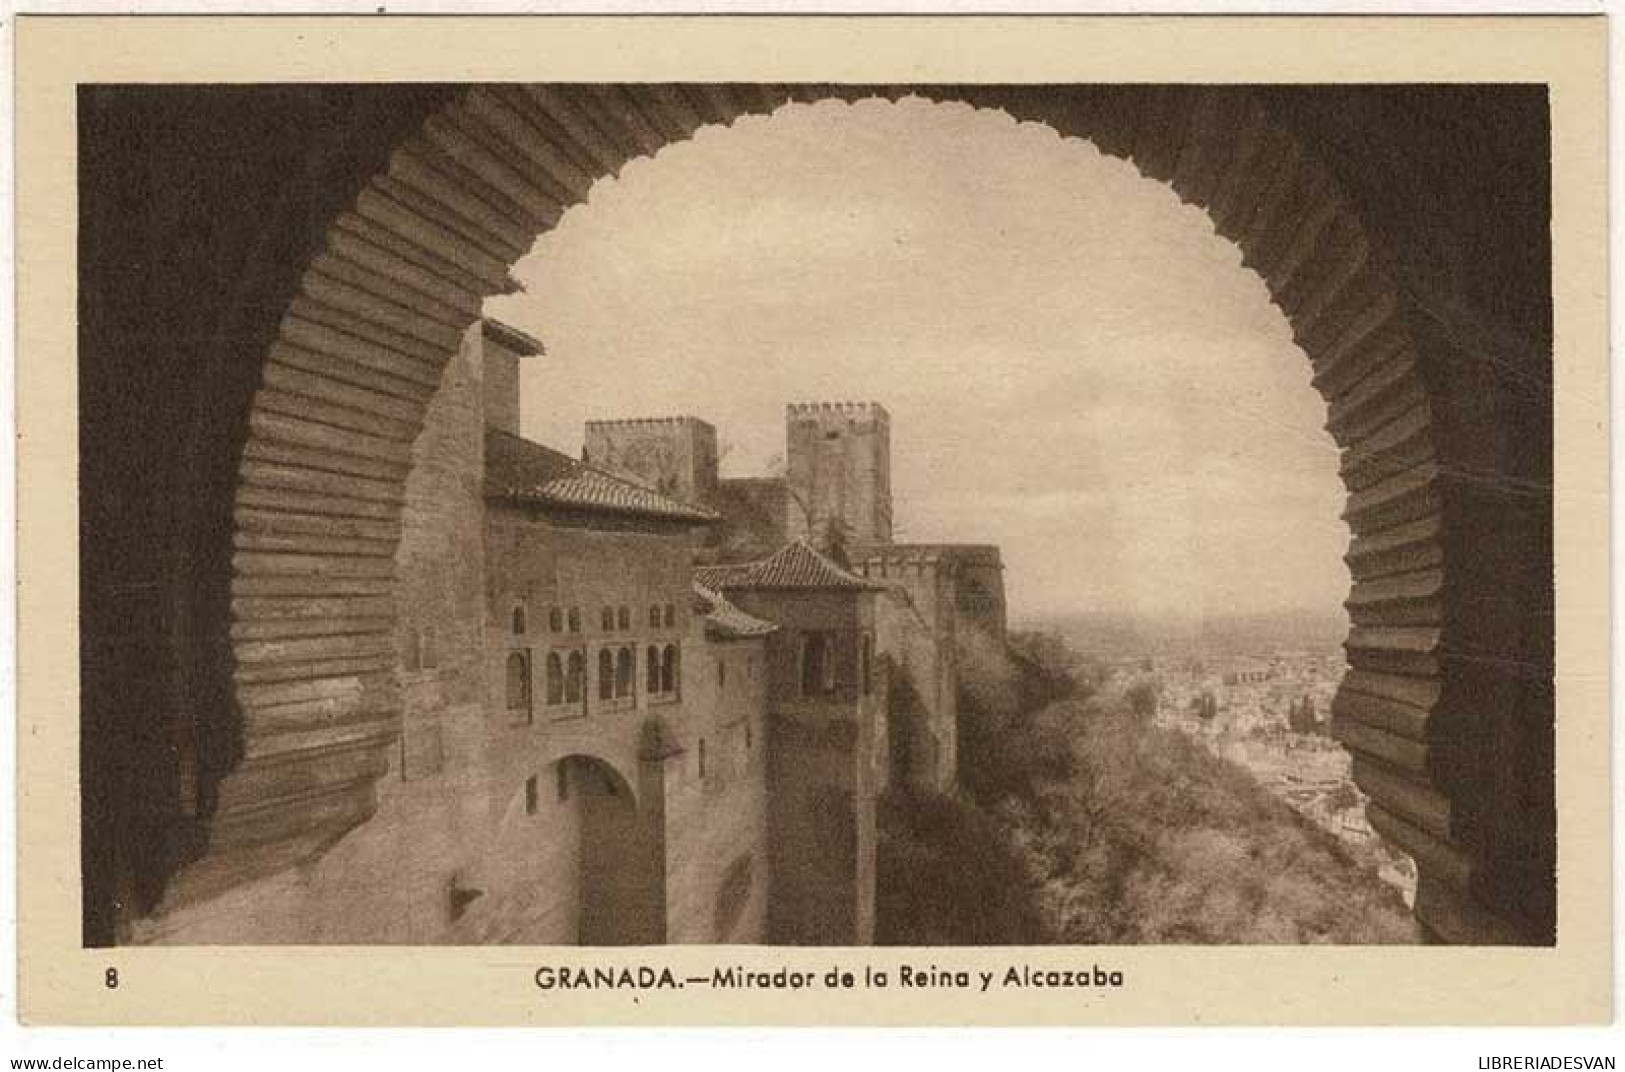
61	983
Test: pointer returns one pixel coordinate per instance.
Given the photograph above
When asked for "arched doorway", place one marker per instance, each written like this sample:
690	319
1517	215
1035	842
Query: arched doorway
1452	737
576	861
619	880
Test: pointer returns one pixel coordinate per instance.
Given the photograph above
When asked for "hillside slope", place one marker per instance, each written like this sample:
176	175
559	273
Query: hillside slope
1081	822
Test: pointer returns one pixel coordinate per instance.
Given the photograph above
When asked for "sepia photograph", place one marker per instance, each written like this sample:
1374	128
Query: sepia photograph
1021	513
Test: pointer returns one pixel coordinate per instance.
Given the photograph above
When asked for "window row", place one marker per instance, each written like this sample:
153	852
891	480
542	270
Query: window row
620	618
610	619
565	675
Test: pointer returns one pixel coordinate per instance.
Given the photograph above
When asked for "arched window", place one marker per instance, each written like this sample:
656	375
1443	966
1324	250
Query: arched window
606	674
671	615
654	617
625	667
518	680
575	619
575	678
623	618
555	620
668	669
555	678
519	621
868	668
722	674
651	661
606	619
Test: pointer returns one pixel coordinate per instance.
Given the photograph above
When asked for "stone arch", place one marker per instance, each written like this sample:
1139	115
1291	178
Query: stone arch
611	778
1442	740
620	856
576	858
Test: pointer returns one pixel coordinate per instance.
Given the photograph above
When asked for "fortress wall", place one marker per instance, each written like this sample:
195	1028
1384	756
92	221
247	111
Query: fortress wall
916	628
979	596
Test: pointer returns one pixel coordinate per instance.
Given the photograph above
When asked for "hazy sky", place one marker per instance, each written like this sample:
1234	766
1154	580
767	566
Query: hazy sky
1076	366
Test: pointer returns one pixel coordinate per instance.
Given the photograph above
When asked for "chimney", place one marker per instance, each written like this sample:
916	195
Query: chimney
503	346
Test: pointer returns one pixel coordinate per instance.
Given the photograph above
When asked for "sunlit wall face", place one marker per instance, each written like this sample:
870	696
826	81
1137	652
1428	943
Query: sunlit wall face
1077	367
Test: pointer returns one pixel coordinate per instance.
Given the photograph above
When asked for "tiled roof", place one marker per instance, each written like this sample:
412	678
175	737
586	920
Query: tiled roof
796	565
521	471
728	621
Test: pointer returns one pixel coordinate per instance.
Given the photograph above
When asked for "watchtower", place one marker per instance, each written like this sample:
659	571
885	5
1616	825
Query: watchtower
838	462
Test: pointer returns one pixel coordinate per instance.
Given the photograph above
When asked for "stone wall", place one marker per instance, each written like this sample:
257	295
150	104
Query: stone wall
705	830
979	599
915	632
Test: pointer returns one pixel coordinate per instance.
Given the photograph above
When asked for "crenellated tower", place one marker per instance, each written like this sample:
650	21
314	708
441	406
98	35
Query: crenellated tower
676	456
838	473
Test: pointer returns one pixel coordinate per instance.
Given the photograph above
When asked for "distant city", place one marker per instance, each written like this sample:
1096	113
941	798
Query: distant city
1256	690
1108	635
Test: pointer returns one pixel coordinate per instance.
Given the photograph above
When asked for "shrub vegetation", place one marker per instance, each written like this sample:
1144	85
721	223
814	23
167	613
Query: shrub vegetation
1080	821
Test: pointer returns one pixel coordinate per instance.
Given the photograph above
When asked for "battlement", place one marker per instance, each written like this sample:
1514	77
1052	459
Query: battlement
873	411
898	557
651	422
901	567
961	554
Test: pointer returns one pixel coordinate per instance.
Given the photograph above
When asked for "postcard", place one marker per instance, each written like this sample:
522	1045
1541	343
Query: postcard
830	520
